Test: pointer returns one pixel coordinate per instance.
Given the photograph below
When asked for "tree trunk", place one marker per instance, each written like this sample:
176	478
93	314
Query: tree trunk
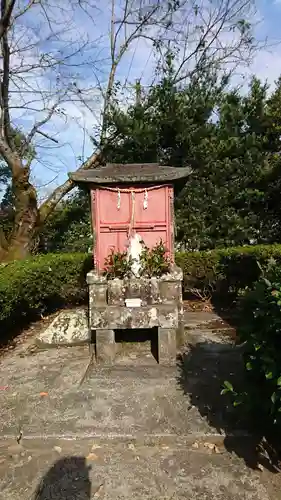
21	239
29	218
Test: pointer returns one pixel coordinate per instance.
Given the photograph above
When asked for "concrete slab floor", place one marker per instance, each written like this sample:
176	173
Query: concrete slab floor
146	431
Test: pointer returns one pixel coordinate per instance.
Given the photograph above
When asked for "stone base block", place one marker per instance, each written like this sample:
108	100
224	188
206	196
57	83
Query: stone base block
116	317
180	335
167	346
105	346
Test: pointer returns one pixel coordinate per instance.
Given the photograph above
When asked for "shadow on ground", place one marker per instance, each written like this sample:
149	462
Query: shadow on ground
67	479
203	368
227	309
140	336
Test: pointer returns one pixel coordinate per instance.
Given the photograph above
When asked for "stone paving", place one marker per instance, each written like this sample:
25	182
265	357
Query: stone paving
135	430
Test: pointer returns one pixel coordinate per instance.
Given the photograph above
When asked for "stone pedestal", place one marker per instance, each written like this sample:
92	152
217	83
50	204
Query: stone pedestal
167	346
105	346
161	308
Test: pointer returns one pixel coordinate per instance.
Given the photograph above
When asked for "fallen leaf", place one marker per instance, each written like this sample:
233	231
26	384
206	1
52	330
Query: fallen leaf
95	447
98	491
92	456
210	446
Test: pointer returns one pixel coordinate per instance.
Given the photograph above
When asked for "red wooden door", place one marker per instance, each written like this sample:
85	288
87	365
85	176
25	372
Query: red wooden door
116	212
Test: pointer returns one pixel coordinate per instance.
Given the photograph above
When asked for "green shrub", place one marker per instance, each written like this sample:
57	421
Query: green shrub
117	265
224	270
200	271
44	283
153	262
260	330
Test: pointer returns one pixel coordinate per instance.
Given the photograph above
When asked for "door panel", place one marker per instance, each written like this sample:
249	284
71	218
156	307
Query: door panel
156	211
108	241
108	203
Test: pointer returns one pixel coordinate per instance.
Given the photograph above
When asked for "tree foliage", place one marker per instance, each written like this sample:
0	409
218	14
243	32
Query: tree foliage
69	227
232	143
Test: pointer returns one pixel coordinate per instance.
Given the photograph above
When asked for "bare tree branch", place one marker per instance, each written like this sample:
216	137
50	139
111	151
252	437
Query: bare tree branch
57	195
116	56
47	136
25	9
37	125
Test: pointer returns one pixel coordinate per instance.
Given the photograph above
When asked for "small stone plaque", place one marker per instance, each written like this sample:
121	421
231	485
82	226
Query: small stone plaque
133	302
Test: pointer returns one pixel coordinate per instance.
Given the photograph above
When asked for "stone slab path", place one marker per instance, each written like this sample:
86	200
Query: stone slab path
135	430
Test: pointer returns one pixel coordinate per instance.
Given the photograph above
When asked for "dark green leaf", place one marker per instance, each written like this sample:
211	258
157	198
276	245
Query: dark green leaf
228	386
273	397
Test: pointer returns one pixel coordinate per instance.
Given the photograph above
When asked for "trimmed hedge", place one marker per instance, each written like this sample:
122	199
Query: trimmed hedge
225	270
48	282
40	284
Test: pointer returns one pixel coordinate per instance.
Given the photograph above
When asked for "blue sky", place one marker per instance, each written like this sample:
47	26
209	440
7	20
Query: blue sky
267	63
270	10
73	126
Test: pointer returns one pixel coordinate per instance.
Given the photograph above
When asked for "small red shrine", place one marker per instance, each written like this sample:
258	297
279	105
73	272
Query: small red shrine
128	199
132	205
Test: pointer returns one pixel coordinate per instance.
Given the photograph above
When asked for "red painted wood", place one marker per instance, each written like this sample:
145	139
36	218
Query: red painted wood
111	224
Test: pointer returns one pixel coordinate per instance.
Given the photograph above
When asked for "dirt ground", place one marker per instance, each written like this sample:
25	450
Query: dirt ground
132	430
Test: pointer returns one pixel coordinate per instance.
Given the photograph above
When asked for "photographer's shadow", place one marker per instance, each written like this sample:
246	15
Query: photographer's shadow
67	479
